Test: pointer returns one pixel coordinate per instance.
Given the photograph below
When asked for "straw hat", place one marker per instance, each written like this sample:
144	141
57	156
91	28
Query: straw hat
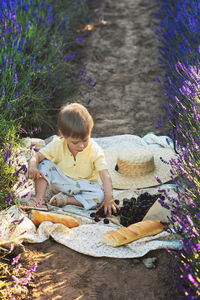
137	167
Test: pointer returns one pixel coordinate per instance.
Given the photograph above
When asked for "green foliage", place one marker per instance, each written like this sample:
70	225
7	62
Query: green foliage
40	58
9	143
9	131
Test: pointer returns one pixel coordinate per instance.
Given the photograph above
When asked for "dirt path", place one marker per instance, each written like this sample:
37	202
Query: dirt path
65	274
122	57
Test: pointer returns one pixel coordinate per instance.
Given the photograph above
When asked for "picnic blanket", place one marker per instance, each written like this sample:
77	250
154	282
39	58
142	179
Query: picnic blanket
16	226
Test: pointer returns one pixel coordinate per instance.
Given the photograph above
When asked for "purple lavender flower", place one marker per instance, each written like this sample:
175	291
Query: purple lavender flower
164	161
3	92
160	124
26	280
15	78
18	266
198	247
94	84
191	278
34	267
39	203
9	199
15	279
79	40
158	180
7	155
16	259
23	130
29	273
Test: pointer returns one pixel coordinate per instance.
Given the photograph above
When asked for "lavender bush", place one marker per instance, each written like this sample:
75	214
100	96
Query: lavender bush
41	65
40	50
179	36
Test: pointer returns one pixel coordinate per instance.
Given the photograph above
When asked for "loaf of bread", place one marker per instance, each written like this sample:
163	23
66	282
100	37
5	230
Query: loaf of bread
125	235
38	217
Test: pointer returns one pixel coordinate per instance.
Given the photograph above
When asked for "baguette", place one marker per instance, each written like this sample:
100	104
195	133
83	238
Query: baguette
125	235
38	217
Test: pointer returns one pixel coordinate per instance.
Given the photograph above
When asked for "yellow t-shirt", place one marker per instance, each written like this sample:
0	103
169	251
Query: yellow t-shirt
87	165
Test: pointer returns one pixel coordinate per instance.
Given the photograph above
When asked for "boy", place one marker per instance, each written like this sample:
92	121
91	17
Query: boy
72	163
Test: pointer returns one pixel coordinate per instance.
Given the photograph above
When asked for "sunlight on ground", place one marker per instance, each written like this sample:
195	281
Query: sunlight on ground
79	297
54	286
45	286
39	256
90	27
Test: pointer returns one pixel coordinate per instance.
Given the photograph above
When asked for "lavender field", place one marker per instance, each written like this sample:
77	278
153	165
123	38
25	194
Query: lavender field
42	56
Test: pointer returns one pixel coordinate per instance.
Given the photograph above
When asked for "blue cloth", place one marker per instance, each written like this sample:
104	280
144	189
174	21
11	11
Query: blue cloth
89	194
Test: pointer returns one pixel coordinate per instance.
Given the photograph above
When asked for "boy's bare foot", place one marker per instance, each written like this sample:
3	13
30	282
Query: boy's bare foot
59	200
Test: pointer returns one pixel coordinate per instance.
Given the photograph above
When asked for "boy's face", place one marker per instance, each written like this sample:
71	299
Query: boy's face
76	144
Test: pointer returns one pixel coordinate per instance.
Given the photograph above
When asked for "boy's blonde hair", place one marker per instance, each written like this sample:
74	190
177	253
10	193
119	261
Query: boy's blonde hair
75	121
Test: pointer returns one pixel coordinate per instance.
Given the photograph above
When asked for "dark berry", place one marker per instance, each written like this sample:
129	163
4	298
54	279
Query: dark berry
154	197
125	208
124	222
128	213
117	202
101	213
114	214
149	201
139	198
96	219
132	220
146	194
126	201
133	199
92	215
106	221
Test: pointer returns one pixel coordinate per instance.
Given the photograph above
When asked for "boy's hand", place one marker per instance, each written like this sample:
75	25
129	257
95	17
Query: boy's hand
109	207
109	204
34	173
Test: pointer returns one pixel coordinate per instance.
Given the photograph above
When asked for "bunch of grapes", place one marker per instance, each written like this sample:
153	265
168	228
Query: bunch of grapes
134	209
99	214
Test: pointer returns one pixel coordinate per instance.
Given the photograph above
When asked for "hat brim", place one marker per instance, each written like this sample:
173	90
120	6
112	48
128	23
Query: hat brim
162	169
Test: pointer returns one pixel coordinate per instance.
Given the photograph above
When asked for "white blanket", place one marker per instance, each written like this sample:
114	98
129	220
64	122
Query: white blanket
87	237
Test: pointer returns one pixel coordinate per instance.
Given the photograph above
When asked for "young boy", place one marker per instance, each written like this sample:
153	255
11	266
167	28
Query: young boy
72	163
